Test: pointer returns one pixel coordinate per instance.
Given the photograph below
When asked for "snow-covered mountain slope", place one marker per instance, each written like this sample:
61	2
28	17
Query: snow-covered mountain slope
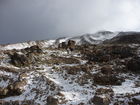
59	78
83	39
44	43
95	38
105	74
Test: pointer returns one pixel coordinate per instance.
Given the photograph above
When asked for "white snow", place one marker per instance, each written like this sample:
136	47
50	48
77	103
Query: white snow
74	93
127	87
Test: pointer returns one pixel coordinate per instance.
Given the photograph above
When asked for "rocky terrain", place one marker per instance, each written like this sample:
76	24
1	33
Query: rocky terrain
47	73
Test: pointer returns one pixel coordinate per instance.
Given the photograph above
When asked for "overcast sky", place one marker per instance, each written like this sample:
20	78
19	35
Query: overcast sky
22	20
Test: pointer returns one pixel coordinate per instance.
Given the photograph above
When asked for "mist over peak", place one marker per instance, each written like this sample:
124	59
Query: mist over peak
22	20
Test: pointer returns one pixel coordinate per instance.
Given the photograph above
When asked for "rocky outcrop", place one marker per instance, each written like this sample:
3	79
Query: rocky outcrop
19	59
105	53
26	57
69	45
14	89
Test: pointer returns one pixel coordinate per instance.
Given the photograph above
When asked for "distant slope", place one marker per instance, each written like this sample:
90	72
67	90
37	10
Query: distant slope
89	38
43	43
95	38
125	38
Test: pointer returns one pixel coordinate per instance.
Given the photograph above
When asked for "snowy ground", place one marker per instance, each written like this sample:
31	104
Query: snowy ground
40	81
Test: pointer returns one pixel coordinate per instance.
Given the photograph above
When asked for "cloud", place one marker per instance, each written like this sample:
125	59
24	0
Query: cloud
22	20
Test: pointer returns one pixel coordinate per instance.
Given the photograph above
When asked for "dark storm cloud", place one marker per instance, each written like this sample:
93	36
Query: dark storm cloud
22	20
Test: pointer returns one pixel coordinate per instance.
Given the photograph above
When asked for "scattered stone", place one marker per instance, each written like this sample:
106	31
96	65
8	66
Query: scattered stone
52	101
